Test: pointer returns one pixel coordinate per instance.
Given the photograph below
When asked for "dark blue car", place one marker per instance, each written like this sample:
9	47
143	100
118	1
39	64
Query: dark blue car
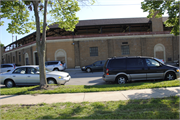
97	66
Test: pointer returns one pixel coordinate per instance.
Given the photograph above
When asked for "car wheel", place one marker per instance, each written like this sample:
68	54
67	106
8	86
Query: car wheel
9	83
55	69
50	81
170	76
88	70
121	79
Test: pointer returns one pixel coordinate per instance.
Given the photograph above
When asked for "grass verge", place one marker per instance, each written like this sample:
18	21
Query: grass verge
91	88
163	108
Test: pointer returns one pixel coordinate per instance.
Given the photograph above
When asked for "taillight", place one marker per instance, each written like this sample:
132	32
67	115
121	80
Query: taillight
14	66
107	71
60	64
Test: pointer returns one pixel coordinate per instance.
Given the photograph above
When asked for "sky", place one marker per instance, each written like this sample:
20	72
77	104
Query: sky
102	9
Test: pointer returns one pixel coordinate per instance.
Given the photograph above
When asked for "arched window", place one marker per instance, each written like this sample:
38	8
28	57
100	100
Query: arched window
159	51
60	55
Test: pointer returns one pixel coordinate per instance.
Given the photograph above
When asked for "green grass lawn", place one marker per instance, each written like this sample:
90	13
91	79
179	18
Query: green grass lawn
90	88
161	108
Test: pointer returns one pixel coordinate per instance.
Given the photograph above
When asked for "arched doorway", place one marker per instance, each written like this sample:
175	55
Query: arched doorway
159	51
60	55
26	59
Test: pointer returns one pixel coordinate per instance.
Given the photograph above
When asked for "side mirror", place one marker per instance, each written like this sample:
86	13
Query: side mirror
160	65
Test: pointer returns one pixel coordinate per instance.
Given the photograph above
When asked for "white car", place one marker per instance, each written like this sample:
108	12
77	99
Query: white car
55	65
29	75
7	67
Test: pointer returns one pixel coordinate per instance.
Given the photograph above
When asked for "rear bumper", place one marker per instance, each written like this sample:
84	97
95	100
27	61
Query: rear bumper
177	75
109	78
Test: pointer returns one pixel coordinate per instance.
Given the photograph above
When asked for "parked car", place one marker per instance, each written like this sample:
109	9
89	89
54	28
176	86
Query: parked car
55	65
124	69
7	67
29	75
97	66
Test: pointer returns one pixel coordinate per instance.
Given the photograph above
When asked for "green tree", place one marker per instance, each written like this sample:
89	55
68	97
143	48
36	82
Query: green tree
61	12
158	8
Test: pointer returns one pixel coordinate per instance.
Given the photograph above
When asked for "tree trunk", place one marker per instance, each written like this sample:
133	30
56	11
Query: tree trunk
40	44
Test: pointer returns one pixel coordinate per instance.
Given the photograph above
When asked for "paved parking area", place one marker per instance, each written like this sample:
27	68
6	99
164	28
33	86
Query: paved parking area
79	77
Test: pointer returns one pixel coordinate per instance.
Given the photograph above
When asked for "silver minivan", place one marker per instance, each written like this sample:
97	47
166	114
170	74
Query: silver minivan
55	65
7	67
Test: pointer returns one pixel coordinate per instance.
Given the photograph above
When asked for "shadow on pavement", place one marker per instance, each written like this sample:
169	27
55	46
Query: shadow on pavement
113	84
154	93
8	96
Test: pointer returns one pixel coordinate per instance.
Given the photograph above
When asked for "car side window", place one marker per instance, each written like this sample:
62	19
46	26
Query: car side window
116	63
151	63
5	66
103	62
31	71
135	62
20	71
52	63
97	63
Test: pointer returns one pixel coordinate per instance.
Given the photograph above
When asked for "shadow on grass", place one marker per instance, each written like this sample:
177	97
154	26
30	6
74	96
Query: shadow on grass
164	108
154	108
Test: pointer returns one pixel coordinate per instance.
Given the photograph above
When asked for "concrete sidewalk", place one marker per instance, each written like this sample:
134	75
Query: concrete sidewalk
90	97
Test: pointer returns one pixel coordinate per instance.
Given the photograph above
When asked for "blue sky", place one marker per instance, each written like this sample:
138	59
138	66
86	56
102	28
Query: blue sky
102	9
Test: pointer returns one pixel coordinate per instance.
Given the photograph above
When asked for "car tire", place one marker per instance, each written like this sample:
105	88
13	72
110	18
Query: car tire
88	70
55	69
170	76
51	81
9	84
121	79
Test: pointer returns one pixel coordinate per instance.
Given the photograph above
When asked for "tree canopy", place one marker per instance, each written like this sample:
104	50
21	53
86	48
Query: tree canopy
158	8
62	12
46	12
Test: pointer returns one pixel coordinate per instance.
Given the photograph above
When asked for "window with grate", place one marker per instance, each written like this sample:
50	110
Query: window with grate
93	51
125	50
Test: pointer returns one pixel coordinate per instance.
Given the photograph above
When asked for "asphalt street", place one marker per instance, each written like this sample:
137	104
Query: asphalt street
79	77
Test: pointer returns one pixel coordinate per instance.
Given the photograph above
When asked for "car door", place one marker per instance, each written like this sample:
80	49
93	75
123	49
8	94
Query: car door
19	76
102	64
49	65
154	69
3	68
136	69
32	76
97	65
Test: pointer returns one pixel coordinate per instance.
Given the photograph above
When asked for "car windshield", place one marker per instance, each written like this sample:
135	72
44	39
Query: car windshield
47	70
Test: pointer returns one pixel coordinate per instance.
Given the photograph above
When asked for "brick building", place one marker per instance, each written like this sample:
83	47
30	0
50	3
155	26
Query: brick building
94	40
